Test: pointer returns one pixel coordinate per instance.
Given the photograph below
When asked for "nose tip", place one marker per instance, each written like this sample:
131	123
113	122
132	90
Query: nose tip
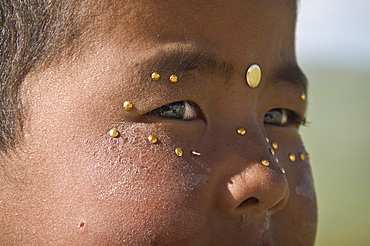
257	189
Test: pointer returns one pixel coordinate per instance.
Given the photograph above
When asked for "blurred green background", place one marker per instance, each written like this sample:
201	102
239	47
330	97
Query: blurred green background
333	47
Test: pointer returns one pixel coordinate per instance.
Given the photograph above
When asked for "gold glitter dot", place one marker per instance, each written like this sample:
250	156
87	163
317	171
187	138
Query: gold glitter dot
292	157
274	145
241	131
195	153
265	163
267	139
153	139
302	156
303	97
127	105
282	170
272	151
173	78
308	156
155	76
277	160
179	152
253	75
113	133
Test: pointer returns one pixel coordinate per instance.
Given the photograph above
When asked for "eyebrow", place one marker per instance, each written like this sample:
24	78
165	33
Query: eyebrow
182	61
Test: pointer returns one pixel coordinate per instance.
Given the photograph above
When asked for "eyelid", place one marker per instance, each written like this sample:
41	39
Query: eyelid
189	111
289	117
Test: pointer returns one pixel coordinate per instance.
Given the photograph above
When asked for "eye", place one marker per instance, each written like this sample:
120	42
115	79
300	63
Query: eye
281	117
183	110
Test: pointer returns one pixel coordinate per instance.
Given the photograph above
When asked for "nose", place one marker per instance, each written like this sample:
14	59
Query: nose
255	182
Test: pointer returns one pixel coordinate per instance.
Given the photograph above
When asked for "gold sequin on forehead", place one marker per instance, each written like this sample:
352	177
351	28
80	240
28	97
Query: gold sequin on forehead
113	133
303	97
282	170
127	105
241	131
179	152
253	75
153	139
266	163
302	156
174	78
274	145
155	76
292	157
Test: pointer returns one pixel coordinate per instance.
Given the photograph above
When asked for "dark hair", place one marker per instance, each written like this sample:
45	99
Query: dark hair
33	33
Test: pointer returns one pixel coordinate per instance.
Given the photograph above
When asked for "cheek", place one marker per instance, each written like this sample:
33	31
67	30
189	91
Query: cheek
301	208
146	186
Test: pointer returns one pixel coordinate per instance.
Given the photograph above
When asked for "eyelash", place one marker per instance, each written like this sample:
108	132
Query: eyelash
288	117
185	110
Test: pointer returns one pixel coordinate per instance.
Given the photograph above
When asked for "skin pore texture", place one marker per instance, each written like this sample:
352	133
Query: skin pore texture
70	183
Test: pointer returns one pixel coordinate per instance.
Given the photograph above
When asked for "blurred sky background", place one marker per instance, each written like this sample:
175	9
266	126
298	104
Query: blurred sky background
333	48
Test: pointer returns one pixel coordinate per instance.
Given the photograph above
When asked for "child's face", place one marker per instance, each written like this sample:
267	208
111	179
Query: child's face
83	186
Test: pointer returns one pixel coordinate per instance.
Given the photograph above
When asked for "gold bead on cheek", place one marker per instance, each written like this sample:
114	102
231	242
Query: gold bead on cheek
179	152
127	105
113	133
153	139
277	160
292	157
267	139
308	156
195	153
253	75
266	163
303	97
241	131
302	157
274	145
155	76
272	151
282	170
173	78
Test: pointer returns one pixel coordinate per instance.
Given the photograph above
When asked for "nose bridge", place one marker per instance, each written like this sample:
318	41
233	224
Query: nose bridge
254	181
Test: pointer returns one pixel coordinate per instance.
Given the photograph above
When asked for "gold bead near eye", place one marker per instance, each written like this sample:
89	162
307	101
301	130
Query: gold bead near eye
266	163
253	75
302	156
173	78
274	145
292	157
155	76
267	139
277	160
241	131
127	105
179	152
153	139
282	170
272	151
303	97
113	133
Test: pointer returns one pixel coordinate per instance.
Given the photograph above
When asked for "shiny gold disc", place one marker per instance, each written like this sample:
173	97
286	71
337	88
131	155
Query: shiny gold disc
266	163
113	133
292	157
253	76
153	139
282	170
155	76
127	105
179	152
241	131
174	78
274	145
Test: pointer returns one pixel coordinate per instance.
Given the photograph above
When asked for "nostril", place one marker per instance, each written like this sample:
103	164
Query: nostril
249	202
